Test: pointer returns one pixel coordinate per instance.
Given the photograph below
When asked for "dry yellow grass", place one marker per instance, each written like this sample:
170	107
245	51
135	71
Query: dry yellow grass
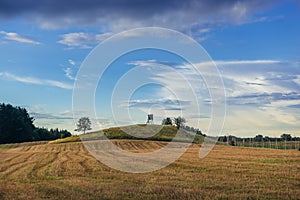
68	171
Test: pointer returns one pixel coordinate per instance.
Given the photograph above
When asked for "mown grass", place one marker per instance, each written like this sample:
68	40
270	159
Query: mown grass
14	145
68	171
74	138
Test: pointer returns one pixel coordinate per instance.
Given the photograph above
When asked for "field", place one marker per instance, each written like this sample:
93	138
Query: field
68	171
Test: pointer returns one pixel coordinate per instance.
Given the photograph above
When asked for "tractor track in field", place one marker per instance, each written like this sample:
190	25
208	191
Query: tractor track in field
20	167
13	166
43	163
139	145
82	159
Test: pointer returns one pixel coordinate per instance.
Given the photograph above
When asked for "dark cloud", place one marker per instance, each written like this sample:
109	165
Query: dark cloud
38	115
262	98
118	14
294	106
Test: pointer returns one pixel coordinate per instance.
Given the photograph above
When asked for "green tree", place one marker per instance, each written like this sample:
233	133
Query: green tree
83	124
167	121
286	137
179	121
259	138
15	124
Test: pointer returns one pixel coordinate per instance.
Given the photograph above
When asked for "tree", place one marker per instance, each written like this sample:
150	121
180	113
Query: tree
52	134
286	137
167	121
84	124
259	138
179	121
15	124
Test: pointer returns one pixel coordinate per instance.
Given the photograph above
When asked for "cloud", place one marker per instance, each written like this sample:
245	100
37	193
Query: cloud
166	103
247	62
68	73
150	63
88	40
82	40
18	38
72	62
35	81
38	115
260	93
190	15
261	99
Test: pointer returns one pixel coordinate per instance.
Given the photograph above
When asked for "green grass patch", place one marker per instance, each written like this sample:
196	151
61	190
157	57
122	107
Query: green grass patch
274	161
74	138
137	132
145	132
6	146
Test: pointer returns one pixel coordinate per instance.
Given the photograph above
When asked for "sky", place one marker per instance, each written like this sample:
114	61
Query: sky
254	44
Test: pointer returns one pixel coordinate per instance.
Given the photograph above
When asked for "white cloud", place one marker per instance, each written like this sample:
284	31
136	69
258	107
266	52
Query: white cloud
247	62
89	40
237	62
68	73
261	94
18	38
72	62
297	80
82	40
35	81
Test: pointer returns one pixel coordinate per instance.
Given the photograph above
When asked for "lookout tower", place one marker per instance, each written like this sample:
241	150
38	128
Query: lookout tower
150	119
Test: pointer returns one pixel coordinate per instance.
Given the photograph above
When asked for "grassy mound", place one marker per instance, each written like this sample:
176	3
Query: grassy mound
138	132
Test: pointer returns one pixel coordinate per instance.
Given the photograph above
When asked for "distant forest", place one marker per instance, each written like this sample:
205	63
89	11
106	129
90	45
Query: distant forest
17	126
259	138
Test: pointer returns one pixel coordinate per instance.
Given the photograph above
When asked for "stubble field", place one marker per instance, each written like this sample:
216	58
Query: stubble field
68	171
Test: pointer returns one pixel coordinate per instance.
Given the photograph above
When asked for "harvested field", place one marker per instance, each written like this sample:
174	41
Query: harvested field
68	171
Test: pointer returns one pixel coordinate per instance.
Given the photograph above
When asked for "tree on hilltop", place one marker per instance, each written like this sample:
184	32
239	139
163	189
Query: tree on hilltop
167	121
83	124
179	122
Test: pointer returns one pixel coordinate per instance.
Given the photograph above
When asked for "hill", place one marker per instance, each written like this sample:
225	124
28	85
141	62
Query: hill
139	132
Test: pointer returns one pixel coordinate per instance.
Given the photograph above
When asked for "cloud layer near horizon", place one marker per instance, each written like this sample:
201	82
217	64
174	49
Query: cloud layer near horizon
261	94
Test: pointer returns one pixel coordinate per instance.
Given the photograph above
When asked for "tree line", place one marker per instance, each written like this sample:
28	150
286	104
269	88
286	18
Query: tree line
260	138
179	122
17	126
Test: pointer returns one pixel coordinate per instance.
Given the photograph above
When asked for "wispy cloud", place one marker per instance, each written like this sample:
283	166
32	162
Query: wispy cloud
69	73
166	103
39	115
35	81
260	93
18	38
71	62
151	63
82	40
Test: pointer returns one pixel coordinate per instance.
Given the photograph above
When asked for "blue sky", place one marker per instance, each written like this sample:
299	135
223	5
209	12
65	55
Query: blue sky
255	45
